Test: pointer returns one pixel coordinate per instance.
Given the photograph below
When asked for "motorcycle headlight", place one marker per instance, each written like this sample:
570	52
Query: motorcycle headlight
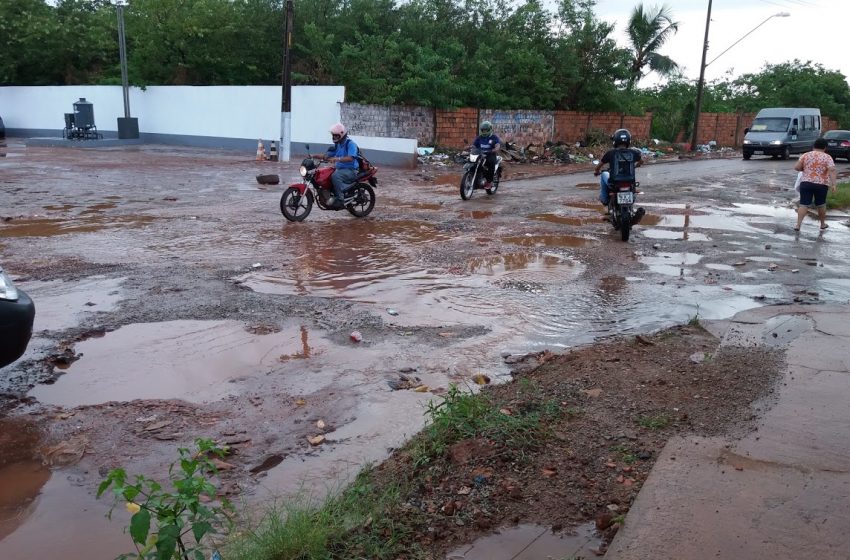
8	291
303	171
473	157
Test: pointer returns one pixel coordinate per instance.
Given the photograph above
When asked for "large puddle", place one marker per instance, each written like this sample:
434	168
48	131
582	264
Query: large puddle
44	513
191	360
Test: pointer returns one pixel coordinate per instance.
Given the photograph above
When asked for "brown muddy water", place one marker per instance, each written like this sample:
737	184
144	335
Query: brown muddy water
528	287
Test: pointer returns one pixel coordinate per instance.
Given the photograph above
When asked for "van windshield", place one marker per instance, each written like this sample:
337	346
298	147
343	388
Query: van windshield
777	124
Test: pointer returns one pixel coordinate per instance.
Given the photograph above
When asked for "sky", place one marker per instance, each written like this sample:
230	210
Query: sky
814	30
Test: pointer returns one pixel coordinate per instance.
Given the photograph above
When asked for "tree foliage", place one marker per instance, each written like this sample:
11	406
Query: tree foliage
496	54
648	30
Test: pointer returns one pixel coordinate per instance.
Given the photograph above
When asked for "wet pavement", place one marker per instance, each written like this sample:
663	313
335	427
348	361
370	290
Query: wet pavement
782	491
167	274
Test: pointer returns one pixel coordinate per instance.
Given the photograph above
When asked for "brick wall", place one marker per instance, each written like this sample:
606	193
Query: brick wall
395	121
534	127
455	128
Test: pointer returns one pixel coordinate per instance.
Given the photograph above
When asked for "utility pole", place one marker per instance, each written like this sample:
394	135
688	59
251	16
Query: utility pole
701	83
127	127
286	79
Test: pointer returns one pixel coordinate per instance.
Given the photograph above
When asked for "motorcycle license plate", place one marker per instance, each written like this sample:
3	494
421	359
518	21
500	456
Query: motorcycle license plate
625	198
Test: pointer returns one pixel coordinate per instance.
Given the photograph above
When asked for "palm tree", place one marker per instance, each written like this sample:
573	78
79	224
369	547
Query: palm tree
648	31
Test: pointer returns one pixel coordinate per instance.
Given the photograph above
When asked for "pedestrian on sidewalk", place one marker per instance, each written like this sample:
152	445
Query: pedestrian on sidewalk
819	176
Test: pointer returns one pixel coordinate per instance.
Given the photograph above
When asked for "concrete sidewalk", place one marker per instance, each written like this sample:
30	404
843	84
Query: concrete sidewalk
780	492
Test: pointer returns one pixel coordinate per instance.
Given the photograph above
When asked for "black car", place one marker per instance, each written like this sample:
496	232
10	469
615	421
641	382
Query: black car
838	143
17	313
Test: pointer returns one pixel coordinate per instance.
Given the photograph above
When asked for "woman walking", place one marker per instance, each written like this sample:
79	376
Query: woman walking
818	176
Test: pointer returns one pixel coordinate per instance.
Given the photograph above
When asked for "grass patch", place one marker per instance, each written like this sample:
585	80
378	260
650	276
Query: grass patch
373	518
359	522
654	422
840	199
463	415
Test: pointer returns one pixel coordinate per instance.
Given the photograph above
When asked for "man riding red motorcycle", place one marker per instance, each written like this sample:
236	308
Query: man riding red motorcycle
343	154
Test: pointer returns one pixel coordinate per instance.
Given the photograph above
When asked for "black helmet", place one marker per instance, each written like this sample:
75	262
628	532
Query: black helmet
622	137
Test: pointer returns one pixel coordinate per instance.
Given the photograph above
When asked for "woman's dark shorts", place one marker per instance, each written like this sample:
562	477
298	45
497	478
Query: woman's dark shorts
809	191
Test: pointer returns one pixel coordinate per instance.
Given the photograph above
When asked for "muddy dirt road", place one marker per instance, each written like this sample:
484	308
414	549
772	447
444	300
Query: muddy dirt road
174	301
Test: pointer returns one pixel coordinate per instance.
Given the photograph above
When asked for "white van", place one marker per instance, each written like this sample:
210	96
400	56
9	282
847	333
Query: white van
782	131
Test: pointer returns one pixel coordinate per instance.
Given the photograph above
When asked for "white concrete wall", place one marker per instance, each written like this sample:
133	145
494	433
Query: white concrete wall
240	114
220	111
314	110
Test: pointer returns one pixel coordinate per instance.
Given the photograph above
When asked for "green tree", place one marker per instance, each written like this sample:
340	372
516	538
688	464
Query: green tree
796	84
588	64
29	43
648	30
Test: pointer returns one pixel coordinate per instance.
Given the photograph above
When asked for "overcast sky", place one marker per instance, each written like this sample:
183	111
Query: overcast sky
815	30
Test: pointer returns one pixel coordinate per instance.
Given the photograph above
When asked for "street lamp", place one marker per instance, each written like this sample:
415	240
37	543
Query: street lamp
703	64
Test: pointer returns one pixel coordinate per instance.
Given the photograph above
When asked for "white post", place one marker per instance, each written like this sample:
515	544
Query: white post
285	135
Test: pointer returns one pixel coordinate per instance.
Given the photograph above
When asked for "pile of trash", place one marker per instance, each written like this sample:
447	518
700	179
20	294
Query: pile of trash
553	153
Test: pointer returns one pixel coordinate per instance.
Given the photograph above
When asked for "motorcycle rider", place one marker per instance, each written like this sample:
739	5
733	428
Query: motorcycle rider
488	144
622	160
343	154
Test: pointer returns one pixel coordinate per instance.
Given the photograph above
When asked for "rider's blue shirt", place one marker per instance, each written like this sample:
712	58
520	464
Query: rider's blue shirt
486	144
345	148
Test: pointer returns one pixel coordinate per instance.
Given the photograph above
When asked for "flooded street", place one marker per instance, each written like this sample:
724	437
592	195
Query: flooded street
173	301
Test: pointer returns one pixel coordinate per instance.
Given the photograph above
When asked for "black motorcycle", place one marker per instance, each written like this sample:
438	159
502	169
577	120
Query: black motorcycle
621	205
473	175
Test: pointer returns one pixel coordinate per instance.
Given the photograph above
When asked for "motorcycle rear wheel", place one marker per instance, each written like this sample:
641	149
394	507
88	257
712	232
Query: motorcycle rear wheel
364	201
295	206
467	185
625	224
497	178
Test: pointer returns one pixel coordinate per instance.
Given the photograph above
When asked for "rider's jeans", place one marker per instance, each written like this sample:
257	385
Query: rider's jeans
603	187
343	178
490	166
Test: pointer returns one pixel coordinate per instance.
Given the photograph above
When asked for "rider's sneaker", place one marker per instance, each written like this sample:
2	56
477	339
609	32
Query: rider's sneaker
335	204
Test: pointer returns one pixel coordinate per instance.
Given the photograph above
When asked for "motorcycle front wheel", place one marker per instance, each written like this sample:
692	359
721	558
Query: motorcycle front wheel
295	206
364	200
467	185
497	178
625	224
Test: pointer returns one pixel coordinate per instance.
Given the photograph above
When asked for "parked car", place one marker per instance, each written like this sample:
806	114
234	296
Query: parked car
838	143
17	313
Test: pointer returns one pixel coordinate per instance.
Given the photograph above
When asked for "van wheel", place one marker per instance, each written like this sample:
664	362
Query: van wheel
786	152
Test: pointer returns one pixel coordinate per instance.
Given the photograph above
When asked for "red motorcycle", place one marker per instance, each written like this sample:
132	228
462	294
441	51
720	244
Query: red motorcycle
297	201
